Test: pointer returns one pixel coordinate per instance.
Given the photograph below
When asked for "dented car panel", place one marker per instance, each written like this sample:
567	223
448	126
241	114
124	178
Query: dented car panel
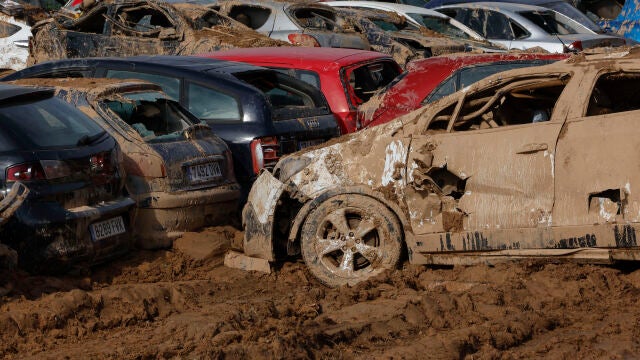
178	172
513	166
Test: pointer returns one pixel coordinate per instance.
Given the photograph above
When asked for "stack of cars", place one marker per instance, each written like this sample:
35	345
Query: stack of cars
118	136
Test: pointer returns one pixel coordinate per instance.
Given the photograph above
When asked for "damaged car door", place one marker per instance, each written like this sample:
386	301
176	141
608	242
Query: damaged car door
486	163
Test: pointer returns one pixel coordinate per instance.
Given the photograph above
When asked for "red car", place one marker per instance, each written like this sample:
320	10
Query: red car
347	77
428	80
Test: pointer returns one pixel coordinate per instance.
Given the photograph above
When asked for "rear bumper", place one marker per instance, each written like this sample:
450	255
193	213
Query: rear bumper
48	236
162	217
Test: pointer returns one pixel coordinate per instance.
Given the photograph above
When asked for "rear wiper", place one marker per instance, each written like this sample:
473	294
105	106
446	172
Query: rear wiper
88	140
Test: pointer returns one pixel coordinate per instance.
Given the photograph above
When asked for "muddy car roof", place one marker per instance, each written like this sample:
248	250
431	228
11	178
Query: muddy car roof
304	55
94	86
8	92
469	59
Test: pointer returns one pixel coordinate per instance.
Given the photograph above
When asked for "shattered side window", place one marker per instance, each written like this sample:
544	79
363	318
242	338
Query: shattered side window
513	103
7	29
170	85
93	22
614	93
251	16
155	118
313	18
143	20
211	105
366	80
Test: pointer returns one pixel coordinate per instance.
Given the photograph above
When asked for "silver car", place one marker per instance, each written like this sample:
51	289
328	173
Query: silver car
304	23
518	26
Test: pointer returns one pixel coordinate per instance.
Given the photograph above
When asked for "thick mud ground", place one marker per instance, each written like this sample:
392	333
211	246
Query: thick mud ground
184	303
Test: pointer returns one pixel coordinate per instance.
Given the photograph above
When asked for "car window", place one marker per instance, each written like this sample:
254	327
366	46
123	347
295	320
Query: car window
551	22
497	26
154	117
439	25
144	21
314	18
289	97
252	16
170	85
516	102
7	29
92	22
46	122
474	73
212	105
310	77
365	80
614	93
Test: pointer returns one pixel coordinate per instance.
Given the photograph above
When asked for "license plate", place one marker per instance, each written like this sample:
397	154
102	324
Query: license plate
107	228
204	172
307	143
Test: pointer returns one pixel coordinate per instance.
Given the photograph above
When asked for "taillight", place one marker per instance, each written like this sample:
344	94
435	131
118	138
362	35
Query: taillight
102	167
303	40
264	152
574	46
25	172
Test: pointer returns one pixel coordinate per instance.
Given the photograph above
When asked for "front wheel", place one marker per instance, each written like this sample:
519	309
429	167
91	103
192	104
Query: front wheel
350	238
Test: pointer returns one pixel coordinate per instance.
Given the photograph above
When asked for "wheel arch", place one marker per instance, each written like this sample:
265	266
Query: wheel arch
301	216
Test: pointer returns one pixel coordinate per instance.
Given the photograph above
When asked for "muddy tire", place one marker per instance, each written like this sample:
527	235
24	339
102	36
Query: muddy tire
350	238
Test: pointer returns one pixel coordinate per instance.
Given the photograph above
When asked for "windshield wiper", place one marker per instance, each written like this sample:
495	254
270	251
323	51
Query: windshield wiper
88	140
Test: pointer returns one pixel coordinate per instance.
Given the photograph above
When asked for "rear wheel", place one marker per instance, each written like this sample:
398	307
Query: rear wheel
350	238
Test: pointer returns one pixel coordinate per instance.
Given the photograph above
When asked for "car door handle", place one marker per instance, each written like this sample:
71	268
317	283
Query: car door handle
531	148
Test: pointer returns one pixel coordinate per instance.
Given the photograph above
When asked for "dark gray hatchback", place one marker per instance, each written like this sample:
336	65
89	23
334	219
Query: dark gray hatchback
75	210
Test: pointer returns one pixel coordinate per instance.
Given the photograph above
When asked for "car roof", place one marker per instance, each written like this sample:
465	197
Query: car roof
8	91
435	3
462	60
303	57
500	6
388	6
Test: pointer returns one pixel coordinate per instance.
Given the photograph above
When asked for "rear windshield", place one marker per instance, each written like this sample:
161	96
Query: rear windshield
289	97
439	25
46	122
7	29
152	115
551	22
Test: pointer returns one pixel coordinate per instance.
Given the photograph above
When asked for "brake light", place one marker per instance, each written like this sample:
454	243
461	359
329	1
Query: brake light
102	167
303	40
264	152
25	172
574	46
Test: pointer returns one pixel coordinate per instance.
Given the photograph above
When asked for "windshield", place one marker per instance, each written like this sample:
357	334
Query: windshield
48	122
577	15
439	25
552	22
152	115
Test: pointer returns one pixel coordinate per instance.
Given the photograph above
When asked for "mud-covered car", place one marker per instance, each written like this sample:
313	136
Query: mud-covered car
392	34
75	211
428	80
304	23
261	113
178	171
12	199
139	27
535	162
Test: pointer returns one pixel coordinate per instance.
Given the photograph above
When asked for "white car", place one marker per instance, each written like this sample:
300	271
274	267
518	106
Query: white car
518	26
14	43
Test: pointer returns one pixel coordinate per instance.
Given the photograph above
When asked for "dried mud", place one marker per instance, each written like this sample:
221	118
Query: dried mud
167	304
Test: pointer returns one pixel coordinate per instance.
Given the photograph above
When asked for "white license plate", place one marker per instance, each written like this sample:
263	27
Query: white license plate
204	172
307	143
107	228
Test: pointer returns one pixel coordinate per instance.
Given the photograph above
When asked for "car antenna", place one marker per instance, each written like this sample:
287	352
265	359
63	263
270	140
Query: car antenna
564	46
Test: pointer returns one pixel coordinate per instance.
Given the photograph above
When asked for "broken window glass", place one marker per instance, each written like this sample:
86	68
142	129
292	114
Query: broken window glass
613	93
93	22
170	85
144	21
366	80
251	16
155	118
209	104
312	18
523	101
